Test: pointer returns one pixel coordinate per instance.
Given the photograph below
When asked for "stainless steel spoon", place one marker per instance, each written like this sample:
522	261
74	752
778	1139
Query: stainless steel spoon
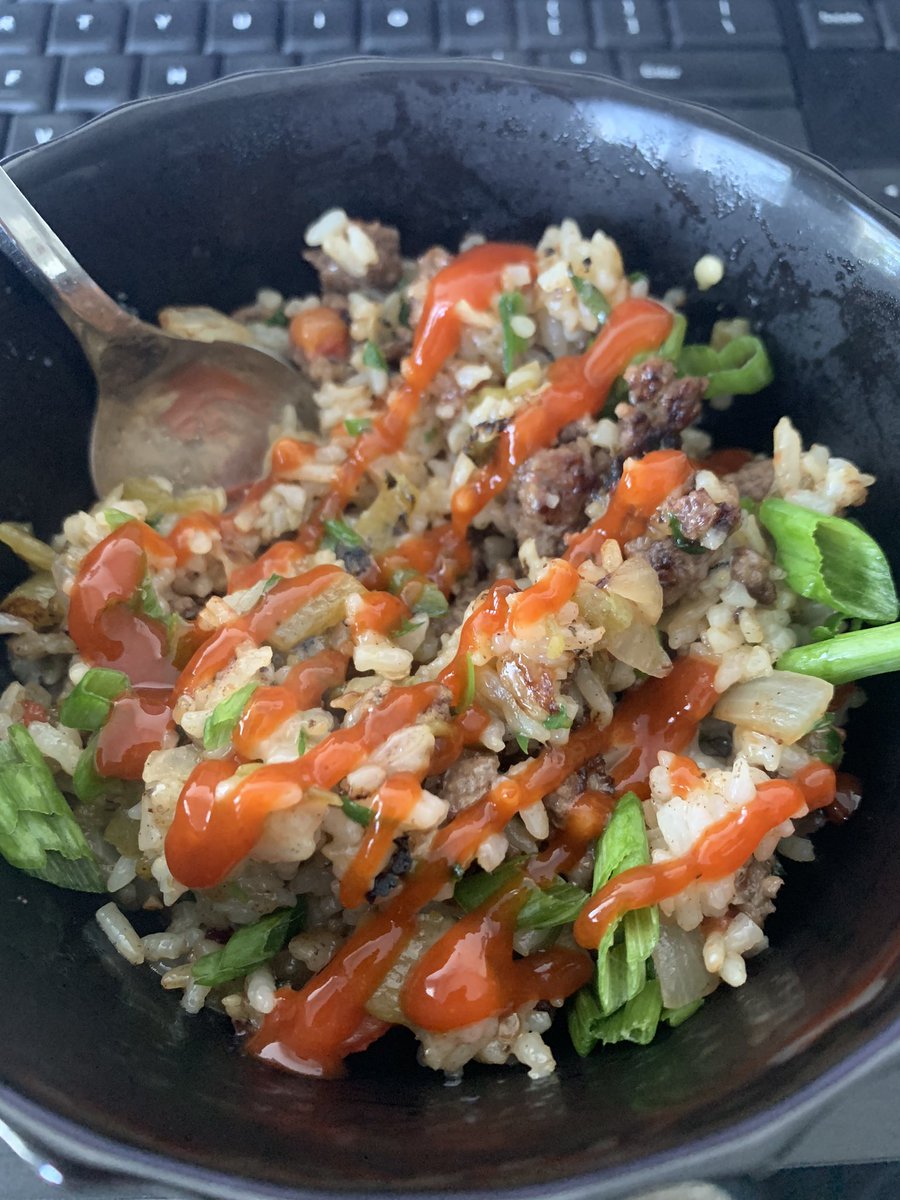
197	413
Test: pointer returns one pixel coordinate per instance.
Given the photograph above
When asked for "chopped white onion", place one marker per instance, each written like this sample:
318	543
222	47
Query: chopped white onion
782	705
678	959
638	646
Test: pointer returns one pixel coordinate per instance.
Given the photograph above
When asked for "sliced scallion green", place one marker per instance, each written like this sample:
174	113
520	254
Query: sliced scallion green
849	656
740	368
88	704
592	298
511	304
356	812
357	425
250	947
832	560
372	357
339	533
223	718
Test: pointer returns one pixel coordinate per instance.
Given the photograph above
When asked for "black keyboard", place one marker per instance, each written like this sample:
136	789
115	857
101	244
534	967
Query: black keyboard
820	76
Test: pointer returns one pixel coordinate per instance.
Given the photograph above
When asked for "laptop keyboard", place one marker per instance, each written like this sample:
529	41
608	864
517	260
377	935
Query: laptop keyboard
820	76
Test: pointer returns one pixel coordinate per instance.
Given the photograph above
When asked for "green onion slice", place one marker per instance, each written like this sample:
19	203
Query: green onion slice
621	961
372	357
849	656
740	368
38	832
250	947
357	425
89	703
592	298
339	533
831	560
356	812
223	718
511	304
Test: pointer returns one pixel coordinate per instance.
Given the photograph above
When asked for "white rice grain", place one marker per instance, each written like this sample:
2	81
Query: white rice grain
120	932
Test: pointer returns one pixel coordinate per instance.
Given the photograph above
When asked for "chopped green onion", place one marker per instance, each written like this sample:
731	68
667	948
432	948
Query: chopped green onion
223	718
523	742
677	1016
468	695
621	963
270	583
749	505
405	627
638	277
592	298
114	517
38	832
147	600
636	1021
824	742
403	313
278	319
740	368
829	628
356	812
832	560
339	533
511	304
849	656
431	601
400	578
301	743
250	947
681	542
559	903
89	703
671	347
558	720
372	357
472	891
87	782
357	425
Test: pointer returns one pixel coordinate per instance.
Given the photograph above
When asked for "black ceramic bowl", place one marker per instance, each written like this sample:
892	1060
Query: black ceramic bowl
203	197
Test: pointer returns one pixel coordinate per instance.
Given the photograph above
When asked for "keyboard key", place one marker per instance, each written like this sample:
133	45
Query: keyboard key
94	28
629	24
724	23
598	62
236	27
389	28
782	124
831	25
468	28
26	84
552	24
232	64
881	183
164	27
316	25
162	74
38	128
22	28
95	82
743	77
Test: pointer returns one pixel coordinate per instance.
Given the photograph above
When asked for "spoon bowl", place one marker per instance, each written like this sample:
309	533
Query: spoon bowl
197	413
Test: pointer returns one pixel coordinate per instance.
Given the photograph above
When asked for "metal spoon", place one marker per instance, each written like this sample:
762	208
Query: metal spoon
197	413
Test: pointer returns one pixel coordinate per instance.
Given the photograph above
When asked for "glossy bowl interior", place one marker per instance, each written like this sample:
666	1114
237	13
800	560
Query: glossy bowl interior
203	198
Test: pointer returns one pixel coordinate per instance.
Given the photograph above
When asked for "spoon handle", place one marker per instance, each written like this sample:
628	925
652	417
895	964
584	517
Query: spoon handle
27	239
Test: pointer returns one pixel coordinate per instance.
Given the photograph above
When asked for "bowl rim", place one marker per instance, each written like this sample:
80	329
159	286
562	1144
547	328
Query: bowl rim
744	1143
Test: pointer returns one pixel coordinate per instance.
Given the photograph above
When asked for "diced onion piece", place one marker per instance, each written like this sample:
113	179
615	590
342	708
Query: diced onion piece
318	615
678	960
782	705
638	646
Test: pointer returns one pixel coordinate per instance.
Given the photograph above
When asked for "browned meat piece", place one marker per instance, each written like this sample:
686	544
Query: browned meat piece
384	273
755	479
677	570
548	493
659	407
593	777
427	267
752	570
755	889
467	780
697	513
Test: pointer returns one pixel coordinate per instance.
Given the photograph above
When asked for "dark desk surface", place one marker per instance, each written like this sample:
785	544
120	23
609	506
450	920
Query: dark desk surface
851	1153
